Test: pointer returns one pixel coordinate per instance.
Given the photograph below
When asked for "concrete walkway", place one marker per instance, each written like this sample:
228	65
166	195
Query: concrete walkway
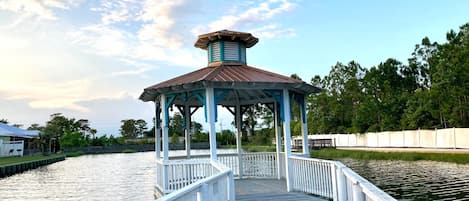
402	149
268	189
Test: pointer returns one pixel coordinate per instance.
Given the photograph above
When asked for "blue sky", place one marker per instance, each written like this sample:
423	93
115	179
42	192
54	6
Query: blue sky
92	59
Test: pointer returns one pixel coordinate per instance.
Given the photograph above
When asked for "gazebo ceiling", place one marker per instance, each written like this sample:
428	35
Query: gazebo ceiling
248	82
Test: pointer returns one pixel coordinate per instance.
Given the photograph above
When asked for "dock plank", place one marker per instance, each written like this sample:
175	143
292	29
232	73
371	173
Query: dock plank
268	189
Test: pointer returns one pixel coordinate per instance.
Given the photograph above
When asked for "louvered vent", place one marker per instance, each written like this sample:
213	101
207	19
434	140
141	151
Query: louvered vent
215	51
231	50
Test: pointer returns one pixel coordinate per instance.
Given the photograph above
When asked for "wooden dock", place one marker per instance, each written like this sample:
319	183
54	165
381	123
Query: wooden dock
268	189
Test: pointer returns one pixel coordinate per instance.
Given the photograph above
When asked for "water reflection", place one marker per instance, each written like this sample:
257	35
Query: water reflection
91	177
416	180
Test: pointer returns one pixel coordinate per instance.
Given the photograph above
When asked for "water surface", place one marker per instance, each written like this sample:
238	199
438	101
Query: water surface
91	177
416	180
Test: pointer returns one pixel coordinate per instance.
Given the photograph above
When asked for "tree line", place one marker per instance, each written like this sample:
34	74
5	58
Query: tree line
431	90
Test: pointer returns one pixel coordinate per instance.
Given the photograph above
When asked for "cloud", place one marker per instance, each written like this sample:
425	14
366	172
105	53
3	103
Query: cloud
273	31
262	12
40	8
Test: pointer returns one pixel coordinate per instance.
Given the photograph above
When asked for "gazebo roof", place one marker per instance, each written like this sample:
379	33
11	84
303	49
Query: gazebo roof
248	39
226	76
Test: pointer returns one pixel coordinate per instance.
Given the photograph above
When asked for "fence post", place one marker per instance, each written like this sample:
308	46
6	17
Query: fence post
358	195
436	138
165	177
341	184
454	137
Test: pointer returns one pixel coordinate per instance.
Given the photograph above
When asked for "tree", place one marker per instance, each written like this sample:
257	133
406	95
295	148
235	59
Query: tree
131	128
5	121
55	129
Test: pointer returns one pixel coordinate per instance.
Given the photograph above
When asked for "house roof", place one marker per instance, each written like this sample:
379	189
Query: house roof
227	76
11	131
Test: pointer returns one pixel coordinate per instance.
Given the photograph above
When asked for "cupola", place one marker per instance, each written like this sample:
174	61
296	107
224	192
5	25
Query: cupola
226	46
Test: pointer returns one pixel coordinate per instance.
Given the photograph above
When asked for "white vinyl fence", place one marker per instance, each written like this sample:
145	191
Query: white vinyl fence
11	148
438	138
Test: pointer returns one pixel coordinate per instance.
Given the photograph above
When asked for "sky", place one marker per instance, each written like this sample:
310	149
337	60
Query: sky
91	59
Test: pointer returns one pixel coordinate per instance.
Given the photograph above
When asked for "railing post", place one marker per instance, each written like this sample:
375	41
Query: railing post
341	184
334	181
165	177
231	187
202	195
358	194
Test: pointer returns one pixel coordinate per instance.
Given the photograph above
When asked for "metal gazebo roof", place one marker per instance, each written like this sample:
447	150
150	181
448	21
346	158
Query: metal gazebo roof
250	83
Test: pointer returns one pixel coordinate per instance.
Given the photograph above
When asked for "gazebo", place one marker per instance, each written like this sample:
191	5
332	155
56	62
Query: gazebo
229	82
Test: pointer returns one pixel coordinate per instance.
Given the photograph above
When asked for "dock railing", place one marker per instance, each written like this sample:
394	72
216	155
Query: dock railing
333	180
326	178
211	181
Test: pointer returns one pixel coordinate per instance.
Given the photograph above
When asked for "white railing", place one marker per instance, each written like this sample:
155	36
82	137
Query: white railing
217	186
259	165
11	148
333	180
181	173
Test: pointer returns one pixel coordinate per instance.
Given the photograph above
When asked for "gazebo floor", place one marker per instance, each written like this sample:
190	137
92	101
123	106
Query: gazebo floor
268	189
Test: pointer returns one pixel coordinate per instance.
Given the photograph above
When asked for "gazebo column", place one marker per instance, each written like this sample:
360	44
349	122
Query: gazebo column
287	136
239	148
157	130
164	127
278	139
211	107
304	126
187	115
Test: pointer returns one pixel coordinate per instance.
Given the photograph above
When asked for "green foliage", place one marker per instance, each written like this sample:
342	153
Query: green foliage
174	139
200	137
74	139
374	155
226	137
131	128
431	91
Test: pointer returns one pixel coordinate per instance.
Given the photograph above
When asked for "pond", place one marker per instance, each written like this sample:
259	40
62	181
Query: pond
90	177
132	177
416	180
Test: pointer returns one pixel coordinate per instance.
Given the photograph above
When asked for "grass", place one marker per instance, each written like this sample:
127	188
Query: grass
5	161
253	148
405	156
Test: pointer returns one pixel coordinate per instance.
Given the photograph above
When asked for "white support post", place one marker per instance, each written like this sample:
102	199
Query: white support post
164	127
187	114
304	129
211	107
341	184
287	137
231	187
239	147
202	195
357	193
278	140
157	131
